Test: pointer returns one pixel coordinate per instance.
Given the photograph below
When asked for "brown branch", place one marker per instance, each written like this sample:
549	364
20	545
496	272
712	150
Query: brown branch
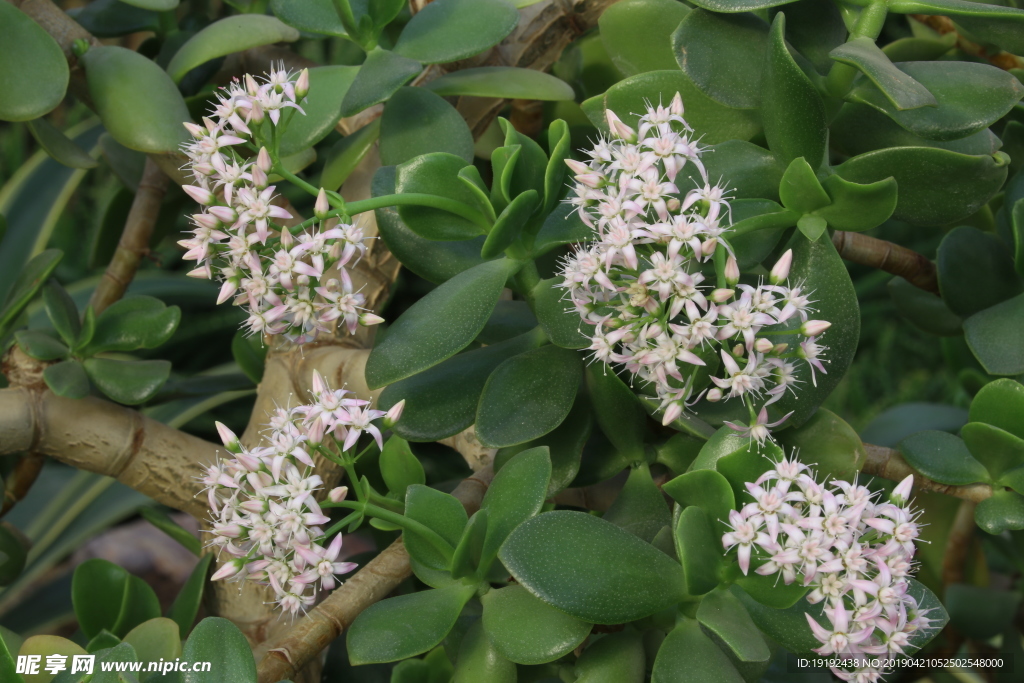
134	243
959	544
997	57
20	480
889	464
305	639
892	258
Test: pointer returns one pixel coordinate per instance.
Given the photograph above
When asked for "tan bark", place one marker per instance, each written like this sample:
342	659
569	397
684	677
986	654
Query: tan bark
916	268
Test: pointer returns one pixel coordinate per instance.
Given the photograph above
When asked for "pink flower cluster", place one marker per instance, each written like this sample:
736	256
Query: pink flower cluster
853	551
295	285
641	283
265	514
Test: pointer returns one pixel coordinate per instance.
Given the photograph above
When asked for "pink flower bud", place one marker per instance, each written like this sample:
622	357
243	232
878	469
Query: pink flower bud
229	438
224	213
714	395
721	295
394	414
315	433
676	107
259	178
780	271
738	350
901	494
195	130
813	328
672	413
732	271
263	160
673	204
200	194
708	248
205	220
780	348
302	84
256	114
201	273
228	569
763	345
338	494
577	167
250	85
368	319
322	207
619	129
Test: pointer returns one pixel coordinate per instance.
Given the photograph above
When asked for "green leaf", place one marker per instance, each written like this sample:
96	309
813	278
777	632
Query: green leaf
980	613
727	620
737	459
442	401
615	658
1004	511
897	86
162	521
758	225
837	450
640	507
812	227
1000	404
62	311
68	379
753	171
530	169
112	18
942	457
858	207
137	322
154	5
717	122
9	644
921	49
479	660
41	345
768	591
155	641
346	155
59	146
474	182
383	73
924	310
995	448
618	411
309	16
936	186
992	336
516	494
638	34
592	569
791	108
507	82
814	29
226	36
433	260
438	511
722	54
975	271
328	86
526	630
787	626
699	549
405	626
34	67
105	596
858	129
527	396
415	122
970	98
439	325
189	599
559	144
991	23
437	174
705	489
739	5
468	552
562	226
219	642
510	224
557	315
45	646
12	556
399	467
130	382
250	353
449	30
687	655
800	190
153	123
24	289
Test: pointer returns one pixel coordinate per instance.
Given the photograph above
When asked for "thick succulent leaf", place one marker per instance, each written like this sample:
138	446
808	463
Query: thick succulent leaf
902	91
638	34
327	88
1004	511
838	451
439	512
859	128
858	207
347	154
509	225
113	18
640	507
562	226
722	54
449	30
993	335
615	658
975	271
557	315
383	73
226	36
59	146
128	381
437	174
528	631
618	411
439	325
755	172
67	378
416	121
591	569
970	98
152	123
688	655
997	449
725	617
502	81
943	457
1001	25
221	643
310	16
814	29
1000	404
137	322
479	660
35	71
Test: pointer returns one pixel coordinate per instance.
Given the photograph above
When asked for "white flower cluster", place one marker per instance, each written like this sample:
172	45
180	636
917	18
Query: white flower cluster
855	552
640	282
265	515
285	281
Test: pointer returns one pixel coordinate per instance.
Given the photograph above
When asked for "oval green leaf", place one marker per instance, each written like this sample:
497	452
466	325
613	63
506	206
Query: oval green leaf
528	631
226	36
415	122
449	30
722	54
35	71
219	642
507	82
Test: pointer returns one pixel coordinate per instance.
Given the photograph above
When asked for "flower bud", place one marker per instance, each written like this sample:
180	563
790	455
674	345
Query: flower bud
338	494
228	437
259	178
619	129
738	350
720	296
394	414
780	348
200	194
673	204
256	114
901	494
676	107
714	395
763	345
225	214
250	86
708	248
315	433
321	208
780	271
195	130
302	84
263	160
368	319
812	328
228	569
577	167
732	271
672	413
201	273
